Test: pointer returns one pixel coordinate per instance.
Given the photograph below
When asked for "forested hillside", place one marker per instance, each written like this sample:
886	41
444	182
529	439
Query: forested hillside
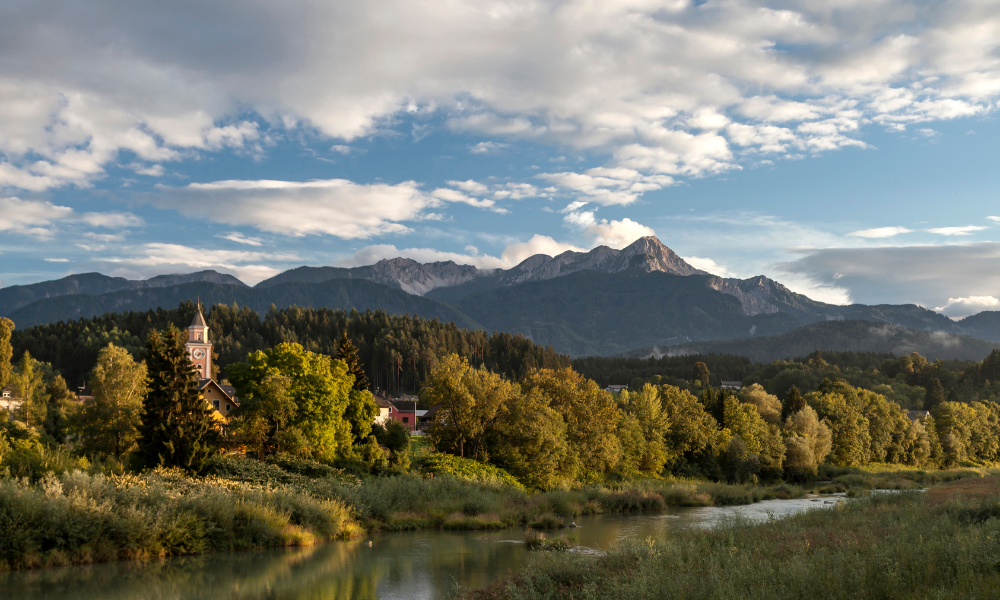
843	336
591	313
397	351
345	294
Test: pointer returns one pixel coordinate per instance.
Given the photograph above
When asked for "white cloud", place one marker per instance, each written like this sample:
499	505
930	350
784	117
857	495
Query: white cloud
957	308
511	256
239	238
149	260
616	234
966	230
924	275
334	207
487	147
879	232
40	217
514	254
709	265
662	89
57	260
148	170
342	149
997	219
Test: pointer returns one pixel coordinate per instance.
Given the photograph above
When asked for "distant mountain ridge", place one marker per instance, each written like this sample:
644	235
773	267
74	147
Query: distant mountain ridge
16	296
359	294
604	301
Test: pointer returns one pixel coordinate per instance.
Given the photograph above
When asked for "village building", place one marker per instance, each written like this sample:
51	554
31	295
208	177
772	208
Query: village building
732	385
199	348
405	413
385	409
615	389
8	401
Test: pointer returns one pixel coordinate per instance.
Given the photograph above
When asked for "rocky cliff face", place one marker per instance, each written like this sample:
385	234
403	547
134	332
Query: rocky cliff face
644	255
420	278
755	294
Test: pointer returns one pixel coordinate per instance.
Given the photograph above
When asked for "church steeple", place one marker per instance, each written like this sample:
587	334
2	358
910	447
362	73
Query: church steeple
198	347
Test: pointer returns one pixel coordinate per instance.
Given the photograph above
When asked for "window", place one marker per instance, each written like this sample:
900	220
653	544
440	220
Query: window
228	406
215	403
406	419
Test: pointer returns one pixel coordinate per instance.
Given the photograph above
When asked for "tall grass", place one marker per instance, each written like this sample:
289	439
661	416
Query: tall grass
77	517
883	546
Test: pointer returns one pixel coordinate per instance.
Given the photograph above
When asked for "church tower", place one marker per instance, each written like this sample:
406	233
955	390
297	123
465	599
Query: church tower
198	347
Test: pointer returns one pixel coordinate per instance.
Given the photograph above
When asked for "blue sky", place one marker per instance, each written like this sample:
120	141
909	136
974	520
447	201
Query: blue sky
845	149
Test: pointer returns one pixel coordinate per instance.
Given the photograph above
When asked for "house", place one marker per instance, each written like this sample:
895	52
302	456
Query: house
914	415
405	413
614	389
221	397
425	418
8	400
732	385
384	409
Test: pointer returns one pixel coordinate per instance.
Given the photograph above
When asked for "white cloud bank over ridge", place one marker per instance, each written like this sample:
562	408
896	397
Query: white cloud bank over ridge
666	89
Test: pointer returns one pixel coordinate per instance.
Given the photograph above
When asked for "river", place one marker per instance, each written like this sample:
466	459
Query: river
422	565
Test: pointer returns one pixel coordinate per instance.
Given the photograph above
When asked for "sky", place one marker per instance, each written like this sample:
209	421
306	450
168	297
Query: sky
846	149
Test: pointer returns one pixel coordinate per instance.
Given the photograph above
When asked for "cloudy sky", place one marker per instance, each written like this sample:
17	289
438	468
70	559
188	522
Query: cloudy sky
846	148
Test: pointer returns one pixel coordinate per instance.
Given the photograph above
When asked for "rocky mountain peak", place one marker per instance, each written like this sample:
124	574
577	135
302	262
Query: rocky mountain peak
649	254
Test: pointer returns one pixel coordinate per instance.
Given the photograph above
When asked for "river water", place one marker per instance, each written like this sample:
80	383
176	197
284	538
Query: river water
423	565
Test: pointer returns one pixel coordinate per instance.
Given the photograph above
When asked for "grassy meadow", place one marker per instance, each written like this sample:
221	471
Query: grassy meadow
941	544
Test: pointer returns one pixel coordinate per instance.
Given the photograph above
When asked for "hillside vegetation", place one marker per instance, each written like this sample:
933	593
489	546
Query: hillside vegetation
841	336
345	294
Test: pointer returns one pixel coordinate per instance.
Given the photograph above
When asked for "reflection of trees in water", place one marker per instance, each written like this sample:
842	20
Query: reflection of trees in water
329	571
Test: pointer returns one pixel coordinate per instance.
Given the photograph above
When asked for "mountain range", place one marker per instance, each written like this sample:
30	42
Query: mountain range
601	302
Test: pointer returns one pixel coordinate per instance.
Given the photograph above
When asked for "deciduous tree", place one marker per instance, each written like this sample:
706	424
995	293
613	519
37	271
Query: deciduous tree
109	424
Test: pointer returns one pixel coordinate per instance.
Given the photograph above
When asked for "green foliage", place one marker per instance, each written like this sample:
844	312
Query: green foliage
317	386
109	424
347	353
396	351
76	517
466	468
178	428
944	552
6	350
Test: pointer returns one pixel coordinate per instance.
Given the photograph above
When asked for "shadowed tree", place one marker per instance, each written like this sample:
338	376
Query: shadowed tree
6	351
794	402
935	394
178	428
699	372
348	352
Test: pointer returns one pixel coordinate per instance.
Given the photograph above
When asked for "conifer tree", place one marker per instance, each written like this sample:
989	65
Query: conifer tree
178	428
935	394
6	351
348	352
794	402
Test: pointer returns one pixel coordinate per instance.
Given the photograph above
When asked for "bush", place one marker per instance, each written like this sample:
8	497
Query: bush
466	468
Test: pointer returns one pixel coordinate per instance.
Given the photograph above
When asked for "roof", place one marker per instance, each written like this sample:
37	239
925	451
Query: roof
199	319
228	390
381	402
404	405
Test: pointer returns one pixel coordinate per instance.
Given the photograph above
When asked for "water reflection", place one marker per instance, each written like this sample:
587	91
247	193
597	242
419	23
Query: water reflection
424	565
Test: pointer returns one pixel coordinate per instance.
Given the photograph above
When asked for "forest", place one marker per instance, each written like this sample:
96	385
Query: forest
397	352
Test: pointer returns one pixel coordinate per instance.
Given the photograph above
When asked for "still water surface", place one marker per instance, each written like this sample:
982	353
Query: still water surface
424	565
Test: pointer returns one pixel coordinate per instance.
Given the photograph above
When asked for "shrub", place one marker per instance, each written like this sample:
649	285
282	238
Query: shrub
466	468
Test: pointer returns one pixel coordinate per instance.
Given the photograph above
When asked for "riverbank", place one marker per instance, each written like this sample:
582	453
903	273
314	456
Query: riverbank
78	517
906	545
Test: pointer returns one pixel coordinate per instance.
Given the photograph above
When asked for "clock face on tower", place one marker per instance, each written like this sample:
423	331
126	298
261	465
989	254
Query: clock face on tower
198	354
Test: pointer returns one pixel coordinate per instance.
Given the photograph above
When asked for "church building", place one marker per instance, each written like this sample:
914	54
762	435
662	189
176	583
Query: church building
199	349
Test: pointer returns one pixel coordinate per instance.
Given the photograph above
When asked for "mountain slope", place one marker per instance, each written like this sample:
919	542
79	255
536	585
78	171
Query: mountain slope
404	273
339	293
856	336
16	296
985	325
592	313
